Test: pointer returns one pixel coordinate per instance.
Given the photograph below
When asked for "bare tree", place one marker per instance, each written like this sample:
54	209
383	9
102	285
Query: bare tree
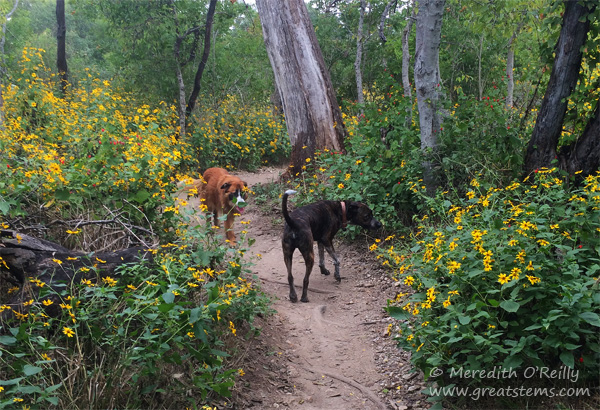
2	63
428	32
210	14
359	52
61	37
510	63
312	114
406	53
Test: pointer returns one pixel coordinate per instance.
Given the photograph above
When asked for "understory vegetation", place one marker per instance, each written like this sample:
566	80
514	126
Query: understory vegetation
498	270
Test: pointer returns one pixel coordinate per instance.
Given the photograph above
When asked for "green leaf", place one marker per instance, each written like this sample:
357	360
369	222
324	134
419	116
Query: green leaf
30	389
165	307
513	361
168	297
464	320
510	306
141	196
4	207
52	399
62	194
53	388
590	317
30	370
7	340
568	359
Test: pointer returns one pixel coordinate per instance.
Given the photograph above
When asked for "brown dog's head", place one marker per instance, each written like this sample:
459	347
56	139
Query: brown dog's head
234	193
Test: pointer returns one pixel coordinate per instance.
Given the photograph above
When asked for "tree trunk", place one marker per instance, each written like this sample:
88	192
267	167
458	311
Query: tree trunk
584	154
384	15
31	259
406	55
210	14
479	80
541	151
3	61
510	63
429	26
358	60
312	114
61	37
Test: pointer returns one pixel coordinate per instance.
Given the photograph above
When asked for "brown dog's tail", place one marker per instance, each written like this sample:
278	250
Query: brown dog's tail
284	210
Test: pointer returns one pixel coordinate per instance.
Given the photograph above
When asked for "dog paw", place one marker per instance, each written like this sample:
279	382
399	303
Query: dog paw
324	271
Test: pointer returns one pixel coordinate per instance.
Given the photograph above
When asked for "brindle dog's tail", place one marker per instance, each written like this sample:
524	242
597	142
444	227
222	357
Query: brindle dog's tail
284	210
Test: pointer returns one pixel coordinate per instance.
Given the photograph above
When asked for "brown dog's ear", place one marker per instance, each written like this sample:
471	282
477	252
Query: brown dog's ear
226	185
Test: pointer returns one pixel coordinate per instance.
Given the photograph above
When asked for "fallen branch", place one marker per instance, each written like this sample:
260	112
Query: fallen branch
34	263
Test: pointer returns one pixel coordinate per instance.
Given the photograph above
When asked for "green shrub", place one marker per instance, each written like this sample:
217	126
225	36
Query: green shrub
504	277
84	156
154	334
239	136
373	171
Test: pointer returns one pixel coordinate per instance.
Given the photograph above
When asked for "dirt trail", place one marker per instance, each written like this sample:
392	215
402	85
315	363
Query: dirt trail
330	353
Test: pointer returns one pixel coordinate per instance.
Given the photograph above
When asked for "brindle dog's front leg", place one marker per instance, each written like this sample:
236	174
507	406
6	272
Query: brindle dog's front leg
324	270
336	261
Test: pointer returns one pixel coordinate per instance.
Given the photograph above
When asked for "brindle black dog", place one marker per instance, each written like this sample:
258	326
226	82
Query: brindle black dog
319	221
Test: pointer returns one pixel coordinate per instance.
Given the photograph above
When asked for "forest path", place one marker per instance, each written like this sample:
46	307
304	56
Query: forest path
330	353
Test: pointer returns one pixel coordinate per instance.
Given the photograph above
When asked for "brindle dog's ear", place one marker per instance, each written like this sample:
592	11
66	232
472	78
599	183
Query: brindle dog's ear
226	185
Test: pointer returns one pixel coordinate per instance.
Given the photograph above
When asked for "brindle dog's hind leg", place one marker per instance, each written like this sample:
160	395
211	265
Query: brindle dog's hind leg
309	260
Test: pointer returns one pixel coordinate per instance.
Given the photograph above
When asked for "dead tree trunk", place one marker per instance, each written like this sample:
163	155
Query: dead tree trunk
312	114
25	260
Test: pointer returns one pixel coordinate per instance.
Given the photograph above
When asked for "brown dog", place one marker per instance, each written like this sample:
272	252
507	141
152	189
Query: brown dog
319	221
223	194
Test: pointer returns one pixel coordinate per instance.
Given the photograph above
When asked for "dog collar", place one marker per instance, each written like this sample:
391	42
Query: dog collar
344	222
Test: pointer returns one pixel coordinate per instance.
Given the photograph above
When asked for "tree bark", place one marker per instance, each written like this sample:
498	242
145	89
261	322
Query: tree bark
210	14
181	64
406	54
31	259
359	52
428	31
61	37
584	154
510	63
384	15
3	61
510	86
542	147
479	80
312	114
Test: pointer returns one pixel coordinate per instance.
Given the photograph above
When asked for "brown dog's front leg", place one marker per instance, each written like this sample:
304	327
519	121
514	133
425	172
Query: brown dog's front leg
309	261
229	234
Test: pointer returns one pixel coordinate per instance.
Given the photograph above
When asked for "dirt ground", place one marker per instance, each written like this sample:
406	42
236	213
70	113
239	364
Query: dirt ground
331	353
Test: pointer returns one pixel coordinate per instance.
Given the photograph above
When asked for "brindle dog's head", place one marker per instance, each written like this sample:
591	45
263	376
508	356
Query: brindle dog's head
235	193
361	215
